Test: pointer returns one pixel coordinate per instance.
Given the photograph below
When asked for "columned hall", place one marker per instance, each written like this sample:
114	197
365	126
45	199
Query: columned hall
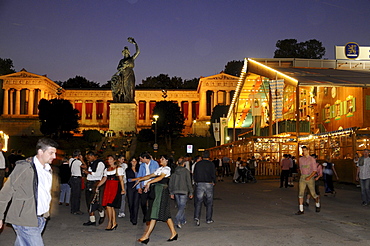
23	90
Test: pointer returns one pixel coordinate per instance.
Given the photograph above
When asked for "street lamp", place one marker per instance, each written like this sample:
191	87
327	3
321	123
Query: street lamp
155	145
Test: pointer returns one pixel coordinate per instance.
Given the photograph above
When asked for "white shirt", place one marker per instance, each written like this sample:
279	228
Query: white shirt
2	161
147	172
365	169
44	186
98	174
76	167
119	171
193	167
187	165
166	170
124	167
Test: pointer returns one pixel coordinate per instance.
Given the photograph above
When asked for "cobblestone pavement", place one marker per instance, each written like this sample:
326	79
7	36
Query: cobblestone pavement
244	214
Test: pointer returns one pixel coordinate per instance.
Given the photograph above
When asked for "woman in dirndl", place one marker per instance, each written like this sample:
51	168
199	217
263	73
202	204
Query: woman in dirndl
159	199
113	191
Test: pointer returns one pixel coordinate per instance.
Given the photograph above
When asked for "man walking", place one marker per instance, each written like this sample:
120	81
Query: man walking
147	166
29	190
363	175
94	175
181	188
204	179
75	164
308	169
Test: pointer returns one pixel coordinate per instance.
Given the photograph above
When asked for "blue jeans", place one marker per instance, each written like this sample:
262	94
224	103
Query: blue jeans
181	201
203	191
65	193
365	190
30	236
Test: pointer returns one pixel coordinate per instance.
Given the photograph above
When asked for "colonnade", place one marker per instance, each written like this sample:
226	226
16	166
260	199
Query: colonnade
214	98
21	101
92	111
145	111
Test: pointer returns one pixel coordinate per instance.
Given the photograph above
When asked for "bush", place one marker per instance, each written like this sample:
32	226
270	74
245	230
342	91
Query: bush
92	136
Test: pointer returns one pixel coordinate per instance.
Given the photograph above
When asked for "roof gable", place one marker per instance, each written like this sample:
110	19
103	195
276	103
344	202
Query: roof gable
22	74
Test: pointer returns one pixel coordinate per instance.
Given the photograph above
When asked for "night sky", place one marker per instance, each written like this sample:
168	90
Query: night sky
188	39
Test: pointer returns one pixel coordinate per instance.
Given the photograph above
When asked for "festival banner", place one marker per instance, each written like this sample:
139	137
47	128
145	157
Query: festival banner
277	90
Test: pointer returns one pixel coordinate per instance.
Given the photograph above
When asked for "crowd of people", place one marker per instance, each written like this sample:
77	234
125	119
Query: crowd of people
145	183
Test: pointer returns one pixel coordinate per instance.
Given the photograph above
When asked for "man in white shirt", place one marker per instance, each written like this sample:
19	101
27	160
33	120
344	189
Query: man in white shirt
75	164
94	175
29	188
122	163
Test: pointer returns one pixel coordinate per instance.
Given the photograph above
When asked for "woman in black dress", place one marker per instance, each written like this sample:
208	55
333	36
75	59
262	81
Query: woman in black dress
159	199
132	194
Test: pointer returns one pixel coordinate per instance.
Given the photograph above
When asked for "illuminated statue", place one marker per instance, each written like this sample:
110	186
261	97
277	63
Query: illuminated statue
123	81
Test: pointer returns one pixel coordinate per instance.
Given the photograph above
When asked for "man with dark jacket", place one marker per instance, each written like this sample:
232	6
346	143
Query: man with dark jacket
204	179
180	189
29	191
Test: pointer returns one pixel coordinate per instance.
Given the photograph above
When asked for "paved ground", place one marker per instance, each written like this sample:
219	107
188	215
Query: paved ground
244	214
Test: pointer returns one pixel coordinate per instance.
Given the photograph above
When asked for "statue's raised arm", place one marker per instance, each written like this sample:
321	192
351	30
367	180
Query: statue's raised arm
132	40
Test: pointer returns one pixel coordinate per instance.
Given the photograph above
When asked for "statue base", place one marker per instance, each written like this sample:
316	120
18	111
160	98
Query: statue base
122	117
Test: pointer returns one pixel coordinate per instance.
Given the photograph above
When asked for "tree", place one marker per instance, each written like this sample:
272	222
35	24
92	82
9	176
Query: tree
79	82
170	123
163	81
190	83
145	135
107	85
6	66
234	67
57	116
290	48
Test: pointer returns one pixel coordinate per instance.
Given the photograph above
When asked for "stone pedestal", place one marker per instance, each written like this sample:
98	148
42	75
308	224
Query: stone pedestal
122	117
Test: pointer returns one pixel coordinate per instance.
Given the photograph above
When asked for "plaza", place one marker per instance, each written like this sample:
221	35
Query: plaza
245	214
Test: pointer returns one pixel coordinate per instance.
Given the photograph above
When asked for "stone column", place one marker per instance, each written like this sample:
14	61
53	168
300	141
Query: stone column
227	97
105	115
215	99
147	112
94	112
203	104
83	113
11	100
190	111
42	94
6	102
31	99
18	102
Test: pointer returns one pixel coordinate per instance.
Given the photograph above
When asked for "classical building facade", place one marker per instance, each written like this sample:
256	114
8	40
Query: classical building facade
22	91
